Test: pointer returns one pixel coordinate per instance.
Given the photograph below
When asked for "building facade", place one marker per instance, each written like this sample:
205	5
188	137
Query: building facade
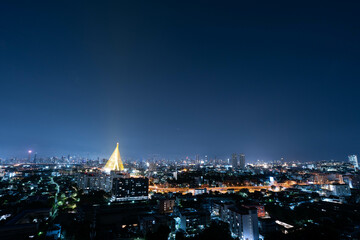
238	160
242	161
166	205
243	221
94	181
340	190
124	189
234	161
354	161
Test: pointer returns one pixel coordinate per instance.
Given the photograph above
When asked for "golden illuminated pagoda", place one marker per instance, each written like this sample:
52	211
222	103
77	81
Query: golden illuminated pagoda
114	163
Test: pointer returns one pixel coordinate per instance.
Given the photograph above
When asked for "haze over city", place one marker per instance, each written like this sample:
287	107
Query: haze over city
180	79
179	120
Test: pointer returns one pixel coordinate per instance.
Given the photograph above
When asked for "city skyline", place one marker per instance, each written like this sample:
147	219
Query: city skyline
31	157
179	120
267	80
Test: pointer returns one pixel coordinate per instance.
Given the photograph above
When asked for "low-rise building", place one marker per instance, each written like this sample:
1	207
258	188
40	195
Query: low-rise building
192	221
339	190
166	205
260	209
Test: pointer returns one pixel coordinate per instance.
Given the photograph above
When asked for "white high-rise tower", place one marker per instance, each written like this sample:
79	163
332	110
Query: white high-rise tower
354	161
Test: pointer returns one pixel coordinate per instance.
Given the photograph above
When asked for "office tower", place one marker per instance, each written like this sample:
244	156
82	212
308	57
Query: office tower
234	160
35	157
29	157
197	158
242	160
353	160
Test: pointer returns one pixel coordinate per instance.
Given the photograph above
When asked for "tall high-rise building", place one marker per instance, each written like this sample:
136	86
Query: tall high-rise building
29	157
354	161
242	160
197	158
234	160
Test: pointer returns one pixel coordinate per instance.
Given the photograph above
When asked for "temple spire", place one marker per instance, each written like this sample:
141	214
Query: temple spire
114	163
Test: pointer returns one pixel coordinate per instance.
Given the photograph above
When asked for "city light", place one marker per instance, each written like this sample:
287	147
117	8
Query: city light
238	120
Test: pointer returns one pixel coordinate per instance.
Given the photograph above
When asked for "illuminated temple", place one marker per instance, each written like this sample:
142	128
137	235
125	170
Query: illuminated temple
114	163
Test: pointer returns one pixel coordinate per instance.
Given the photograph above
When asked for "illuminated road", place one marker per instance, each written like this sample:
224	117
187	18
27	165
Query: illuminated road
55	208
219	189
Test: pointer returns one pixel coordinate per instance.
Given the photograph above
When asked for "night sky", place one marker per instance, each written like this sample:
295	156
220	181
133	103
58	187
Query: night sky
179	78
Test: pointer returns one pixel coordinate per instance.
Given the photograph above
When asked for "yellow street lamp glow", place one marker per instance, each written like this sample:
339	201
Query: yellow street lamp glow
114	163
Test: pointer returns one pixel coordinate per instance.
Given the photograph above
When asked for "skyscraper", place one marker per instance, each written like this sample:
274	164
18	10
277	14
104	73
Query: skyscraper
234	160
353	160
242	160
197	158
29	157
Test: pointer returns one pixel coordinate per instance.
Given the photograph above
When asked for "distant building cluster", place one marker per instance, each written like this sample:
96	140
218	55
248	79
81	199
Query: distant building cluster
186	197
113	180
238	161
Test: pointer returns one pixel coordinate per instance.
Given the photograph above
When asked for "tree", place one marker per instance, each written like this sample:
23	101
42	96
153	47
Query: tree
162	233
216	231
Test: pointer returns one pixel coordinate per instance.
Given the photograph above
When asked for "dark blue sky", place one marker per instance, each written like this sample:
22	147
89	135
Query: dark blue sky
269	79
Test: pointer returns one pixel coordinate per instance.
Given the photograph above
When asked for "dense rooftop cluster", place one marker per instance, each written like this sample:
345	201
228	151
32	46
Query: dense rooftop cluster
180	200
